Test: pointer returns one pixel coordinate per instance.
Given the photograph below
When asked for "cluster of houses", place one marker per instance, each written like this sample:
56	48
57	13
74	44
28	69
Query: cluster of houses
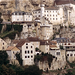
32	46
37	32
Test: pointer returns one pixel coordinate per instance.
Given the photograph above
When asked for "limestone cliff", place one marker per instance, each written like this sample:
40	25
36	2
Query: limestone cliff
9	6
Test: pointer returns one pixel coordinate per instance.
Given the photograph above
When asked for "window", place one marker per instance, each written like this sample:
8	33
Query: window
31	56
71	54
39	15
67	54
25	52
28	56
31	51
53	18
28	51
26	47
56	18
3	43
17	19
2	47
58	53
26	43
25	56
31	46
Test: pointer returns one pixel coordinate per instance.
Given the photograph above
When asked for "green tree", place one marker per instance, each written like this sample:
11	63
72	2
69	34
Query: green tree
19	58
3	57
61	47
32	70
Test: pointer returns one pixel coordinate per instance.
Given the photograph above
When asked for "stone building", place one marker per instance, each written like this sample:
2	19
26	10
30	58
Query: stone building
27	51
53	14
20	16
3	44
69	10
11	51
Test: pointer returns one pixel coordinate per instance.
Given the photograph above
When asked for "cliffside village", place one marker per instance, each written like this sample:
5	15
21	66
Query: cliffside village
37	32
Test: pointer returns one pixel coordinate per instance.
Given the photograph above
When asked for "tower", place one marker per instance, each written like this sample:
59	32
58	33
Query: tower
42	10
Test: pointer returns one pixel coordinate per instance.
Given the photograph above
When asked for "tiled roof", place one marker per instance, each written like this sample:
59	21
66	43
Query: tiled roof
9	48
53	42
44	42
15	41
59	2
21	13
52	8
21	43
53	46
62	40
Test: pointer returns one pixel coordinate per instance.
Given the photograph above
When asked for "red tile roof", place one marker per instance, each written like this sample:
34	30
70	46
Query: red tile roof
21	43
9	48
15	41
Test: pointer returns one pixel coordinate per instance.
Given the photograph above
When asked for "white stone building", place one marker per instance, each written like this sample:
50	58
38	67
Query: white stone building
69	10
27	52
20	16
53	14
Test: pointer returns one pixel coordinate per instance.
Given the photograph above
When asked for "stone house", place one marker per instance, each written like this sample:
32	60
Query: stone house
3	44
27	51
20	16
11	51
44	46
70	53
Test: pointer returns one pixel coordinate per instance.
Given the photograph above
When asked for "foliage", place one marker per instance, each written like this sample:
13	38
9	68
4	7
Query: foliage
9	69
32	70
36	49
1	20
61	27
11	35
3	57
44	57
1	27
69	73
19	58
71	64
15	27
61	47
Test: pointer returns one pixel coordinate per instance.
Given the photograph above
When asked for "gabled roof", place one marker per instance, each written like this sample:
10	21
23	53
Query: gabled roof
59	2
15	41
21	43
9	48
44	42
12	48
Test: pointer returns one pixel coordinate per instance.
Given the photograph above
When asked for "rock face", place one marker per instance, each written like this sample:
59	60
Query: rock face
9	6
46	2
